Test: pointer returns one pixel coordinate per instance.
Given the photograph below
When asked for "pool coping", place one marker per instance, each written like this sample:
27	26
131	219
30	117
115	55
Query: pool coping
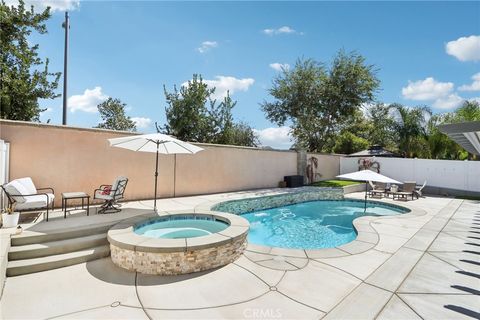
122	234
367	236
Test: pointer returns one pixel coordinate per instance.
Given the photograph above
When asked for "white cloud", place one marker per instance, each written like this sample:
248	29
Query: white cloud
281	30
275	137
207	46
428	89
475	86
141	122
279	66
87	101
449	102
55	5
226	83
465	48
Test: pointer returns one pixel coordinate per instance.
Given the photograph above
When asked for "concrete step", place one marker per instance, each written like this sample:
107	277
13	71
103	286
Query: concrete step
35	237
26	266
43	249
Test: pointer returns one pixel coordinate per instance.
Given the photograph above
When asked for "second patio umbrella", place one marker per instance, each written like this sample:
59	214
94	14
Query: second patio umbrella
157	143
367	175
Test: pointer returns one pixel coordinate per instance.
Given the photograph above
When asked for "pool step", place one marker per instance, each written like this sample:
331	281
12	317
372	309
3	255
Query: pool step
26	266
35	237
37	250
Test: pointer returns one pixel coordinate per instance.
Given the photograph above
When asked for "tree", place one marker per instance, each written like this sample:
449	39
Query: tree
188	117
193	115
243	135
410	127
468	111
229	132
381	126
316	101
439	144
24	76
113	115
223	118
347	143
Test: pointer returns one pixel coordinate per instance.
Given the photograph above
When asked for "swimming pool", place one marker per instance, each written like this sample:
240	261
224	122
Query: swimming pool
312	225
186	228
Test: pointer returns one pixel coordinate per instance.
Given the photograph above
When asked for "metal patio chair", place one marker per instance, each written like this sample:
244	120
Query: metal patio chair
111	194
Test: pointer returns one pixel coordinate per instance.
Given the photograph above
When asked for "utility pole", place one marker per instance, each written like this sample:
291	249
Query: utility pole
66	26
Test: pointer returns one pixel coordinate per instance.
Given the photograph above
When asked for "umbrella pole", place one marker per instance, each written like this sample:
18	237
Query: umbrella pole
365	209
156	176
174	173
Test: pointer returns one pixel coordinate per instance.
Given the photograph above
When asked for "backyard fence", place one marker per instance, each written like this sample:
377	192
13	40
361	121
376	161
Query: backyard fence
442	176
78	159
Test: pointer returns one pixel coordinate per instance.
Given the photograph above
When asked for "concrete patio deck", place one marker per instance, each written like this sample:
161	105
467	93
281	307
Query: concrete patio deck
421	265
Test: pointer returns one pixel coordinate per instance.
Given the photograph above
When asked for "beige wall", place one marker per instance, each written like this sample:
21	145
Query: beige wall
75	159
328	165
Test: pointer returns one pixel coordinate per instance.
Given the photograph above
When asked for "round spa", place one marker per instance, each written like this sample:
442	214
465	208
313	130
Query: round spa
171	243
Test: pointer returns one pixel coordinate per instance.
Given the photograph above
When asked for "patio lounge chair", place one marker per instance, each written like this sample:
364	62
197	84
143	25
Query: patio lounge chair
27	197
377	189
418	190
408	189
111	194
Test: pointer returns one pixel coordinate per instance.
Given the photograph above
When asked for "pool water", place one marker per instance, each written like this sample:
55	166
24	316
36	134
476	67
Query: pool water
185	228
311	225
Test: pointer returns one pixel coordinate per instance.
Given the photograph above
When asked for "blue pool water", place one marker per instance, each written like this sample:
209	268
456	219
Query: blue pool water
311	225
185	228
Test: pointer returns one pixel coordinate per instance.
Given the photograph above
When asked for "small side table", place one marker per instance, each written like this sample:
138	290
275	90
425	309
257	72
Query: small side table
74	195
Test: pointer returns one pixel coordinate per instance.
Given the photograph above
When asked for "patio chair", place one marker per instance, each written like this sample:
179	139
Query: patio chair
27	197
418	190
408	189
111	193
377	189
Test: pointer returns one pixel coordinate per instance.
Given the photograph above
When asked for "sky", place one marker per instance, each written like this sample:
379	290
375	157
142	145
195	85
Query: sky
425	53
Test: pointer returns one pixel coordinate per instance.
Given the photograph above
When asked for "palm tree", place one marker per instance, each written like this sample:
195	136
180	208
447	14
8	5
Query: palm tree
410	128
469	111
440	145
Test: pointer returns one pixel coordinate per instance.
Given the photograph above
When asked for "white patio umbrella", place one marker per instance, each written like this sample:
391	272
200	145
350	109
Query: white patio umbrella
155	142
367	175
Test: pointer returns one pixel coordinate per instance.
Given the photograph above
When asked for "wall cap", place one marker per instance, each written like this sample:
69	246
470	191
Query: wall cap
56	126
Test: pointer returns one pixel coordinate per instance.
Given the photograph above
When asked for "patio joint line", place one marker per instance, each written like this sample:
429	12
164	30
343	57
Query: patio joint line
281	279
300	302
434	239
391	255
295	265
366	242
326	264
438	293
212	307
273	258
409	306
244	268
455	236
345	297
432	255
138	297
383	308
343	251
79	311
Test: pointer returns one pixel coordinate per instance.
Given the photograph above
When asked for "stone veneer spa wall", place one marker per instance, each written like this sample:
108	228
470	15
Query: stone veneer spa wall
142	254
